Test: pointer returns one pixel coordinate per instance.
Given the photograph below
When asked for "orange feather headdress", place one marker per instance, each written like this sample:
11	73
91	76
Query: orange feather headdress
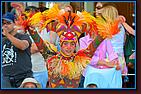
69	26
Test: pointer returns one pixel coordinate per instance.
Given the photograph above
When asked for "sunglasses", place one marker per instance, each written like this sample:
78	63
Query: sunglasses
99	7
6	22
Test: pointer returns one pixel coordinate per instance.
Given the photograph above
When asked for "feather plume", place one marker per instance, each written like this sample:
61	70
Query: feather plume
36	18
90	20
107	28
50	15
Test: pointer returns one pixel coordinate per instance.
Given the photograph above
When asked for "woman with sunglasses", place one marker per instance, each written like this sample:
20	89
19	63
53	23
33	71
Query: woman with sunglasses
105	67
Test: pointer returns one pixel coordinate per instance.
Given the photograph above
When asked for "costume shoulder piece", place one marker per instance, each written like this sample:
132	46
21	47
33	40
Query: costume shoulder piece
71	67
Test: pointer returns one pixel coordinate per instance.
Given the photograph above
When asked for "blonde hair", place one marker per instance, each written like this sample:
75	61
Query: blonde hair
110	12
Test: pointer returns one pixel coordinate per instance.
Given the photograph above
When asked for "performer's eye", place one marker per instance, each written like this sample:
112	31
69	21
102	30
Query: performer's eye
72	43
65	43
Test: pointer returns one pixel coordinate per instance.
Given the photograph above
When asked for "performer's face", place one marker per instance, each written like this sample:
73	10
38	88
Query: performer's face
68	48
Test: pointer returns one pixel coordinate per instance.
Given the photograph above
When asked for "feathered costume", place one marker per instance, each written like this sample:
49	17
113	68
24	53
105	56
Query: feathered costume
64	72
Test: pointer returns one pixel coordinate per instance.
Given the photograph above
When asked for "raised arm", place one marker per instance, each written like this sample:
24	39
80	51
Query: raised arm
43	47
21	44
89	51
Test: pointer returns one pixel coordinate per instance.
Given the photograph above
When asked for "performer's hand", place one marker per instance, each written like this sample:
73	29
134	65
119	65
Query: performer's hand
115	61
93	35
118	67
102	62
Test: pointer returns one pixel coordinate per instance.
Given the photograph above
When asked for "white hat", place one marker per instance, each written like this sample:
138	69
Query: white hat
31	80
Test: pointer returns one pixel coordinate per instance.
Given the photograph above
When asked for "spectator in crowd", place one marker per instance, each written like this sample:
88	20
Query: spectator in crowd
18	8
16	56
42	7
107	11
30	83
99	9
